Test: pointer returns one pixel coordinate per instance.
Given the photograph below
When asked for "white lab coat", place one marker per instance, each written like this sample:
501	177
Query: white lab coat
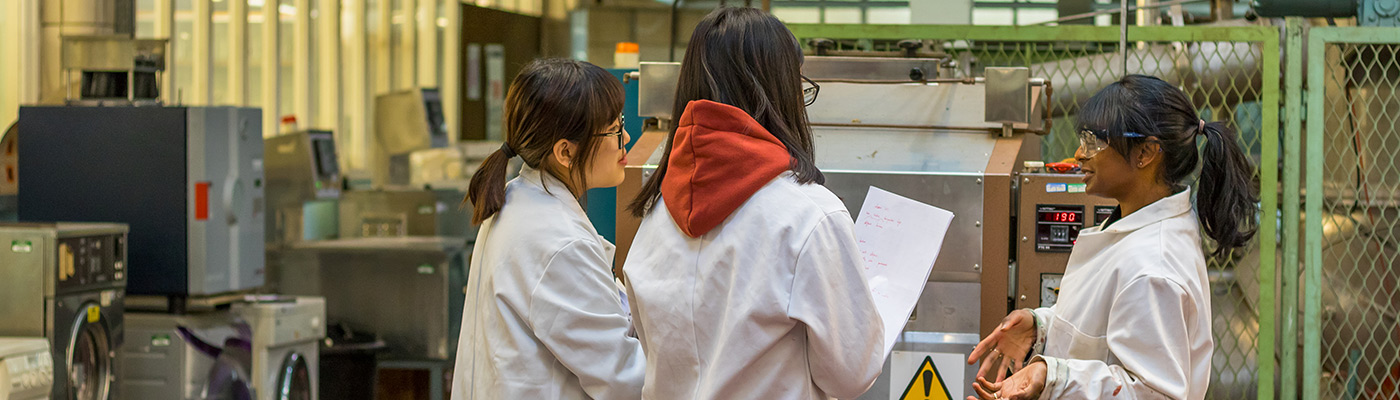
542	318
1133	317
770	304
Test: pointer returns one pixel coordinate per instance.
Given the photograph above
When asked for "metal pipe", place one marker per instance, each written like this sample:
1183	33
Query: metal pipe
671	42
1222	10
924	127
1075	17
1312	258
1306	8
1218	69
1123	34
967	81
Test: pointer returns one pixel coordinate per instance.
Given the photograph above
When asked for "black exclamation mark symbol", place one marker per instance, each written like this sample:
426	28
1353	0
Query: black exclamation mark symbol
928	382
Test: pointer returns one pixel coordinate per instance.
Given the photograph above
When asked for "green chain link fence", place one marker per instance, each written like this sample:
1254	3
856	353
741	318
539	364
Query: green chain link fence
1351	337
1232	73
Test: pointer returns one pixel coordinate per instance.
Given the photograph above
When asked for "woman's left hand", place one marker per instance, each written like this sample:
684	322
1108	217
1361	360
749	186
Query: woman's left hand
1025	384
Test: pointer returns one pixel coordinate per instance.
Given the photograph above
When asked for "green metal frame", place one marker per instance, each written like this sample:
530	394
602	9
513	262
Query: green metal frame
1038	33
1267	37
1318	39
1292	164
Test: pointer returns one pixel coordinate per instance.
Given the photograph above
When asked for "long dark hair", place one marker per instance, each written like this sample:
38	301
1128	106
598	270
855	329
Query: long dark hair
1226	195
551	99
748	59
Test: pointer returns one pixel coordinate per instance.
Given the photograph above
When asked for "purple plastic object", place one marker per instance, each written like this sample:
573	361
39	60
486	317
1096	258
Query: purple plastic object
229	378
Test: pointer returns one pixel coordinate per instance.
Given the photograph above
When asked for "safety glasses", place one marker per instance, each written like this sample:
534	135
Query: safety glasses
1091	141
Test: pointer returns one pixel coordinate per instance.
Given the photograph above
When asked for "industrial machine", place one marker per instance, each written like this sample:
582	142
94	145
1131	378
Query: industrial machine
392	213
66	283
188	180
303	173
286	344
1052	209
115	70
404	122
452	166
26	369
912	127
157	364
405	290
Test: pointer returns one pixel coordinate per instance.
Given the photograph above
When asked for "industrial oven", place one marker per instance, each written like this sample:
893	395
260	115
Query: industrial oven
967	144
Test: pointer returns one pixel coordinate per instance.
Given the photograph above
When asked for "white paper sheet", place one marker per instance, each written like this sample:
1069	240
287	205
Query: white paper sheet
899	241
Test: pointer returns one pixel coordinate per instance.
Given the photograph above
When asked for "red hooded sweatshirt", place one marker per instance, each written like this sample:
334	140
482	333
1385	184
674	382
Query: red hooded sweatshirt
719	157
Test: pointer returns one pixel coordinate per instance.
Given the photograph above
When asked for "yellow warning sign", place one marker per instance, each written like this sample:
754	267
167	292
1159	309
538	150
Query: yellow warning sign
94	313
927	384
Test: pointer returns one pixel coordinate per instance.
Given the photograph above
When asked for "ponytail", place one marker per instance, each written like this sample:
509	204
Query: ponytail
487	191
551	99
1227	194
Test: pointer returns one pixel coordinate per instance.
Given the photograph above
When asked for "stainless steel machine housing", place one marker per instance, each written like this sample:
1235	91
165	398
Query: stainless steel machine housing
406	290
299	167
392	213
286	351
953	143
66	282
157	364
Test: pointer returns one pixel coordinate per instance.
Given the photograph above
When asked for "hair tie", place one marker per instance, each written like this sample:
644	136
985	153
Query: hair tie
1201	130
506	151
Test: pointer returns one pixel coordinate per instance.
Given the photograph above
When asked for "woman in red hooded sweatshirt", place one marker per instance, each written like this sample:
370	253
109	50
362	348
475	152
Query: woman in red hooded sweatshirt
745	278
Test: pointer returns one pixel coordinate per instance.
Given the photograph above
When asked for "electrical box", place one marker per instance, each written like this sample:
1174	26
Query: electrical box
1053	208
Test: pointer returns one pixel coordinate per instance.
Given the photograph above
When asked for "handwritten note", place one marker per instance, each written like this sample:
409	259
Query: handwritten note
899	241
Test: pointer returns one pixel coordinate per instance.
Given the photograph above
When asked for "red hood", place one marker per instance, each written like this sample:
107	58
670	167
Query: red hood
719	157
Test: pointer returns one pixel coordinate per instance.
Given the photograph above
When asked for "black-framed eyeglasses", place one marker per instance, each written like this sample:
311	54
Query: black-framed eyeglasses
620	133
809	91
1092	141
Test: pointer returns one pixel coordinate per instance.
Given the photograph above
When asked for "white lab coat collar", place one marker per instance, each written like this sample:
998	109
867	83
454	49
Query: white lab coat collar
542	180
1094	240
1168	207
546	183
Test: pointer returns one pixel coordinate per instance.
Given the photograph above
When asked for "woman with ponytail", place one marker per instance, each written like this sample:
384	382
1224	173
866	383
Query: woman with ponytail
1133	316
543	319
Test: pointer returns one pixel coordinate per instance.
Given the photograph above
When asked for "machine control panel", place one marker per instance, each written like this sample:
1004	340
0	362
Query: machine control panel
1057	227
1102	213
89	260
1052	210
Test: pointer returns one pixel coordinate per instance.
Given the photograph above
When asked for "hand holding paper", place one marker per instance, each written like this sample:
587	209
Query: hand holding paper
899	241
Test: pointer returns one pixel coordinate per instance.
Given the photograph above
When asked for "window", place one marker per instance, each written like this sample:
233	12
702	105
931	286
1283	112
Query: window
1014	12
842	11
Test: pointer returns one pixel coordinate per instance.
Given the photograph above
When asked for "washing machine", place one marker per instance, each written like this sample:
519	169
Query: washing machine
156	363
286	343
66	283
26	369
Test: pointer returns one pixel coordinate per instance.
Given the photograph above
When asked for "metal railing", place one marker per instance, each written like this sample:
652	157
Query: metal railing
1351	338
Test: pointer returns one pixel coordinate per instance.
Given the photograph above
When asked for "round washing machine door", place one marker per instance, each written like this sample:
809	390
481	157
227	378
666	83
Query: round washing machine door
293	378
89	357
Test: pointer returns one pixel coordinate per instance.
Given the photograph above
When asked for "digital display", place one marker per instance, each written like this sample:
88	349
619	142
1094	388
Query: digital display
1059	216
1057	227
